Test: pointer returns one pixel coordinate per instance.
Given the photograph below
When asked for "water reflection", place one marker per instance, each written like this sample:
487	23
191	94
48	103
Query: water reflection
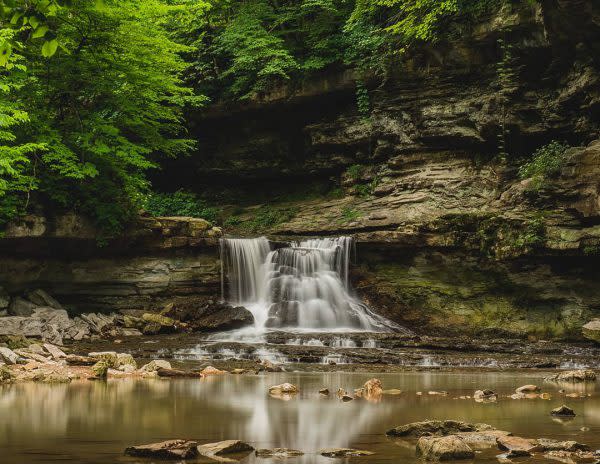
92	422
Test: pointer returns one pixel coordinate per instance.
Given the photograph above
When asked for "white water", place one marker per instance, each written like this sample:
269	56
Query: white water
302	286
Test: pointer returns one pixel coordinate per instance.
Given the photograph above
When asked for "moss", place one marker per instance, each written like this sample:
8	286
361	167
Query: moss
15	342
349	214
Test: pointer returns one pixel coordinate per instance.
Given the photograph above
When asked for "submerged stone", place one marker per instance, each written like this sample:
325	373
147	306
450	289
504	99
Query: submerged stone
563	411
171	449
344	452
436	427
278	453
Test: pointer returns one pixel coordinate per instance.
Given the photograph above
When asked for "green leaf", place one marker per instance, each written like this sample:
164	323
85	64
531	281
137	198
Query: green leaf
5	52
34	22
49	48
39	32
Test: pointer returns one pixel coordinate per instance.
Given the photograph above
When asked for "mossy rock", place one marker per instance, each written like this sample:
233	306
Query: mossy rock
163	321
5	374
15	342
100	369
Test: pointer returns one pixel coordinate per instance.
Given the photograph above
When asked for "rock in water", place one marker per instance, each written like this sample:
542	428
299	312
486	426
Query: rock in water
110	357
100	370
324	391
555	445
518	446
436	427
278	453
210	370
447	448
563	411
372	389
343	452
284	388
171	449
75	360
224	447
591	330
528	389
578	375
155	365
485	395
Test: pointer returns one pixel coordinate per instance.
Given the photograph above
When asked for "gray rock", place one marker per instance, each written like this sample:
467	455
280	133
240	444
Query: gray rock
224	447
436	427
21	307
41	298
8	356
591	330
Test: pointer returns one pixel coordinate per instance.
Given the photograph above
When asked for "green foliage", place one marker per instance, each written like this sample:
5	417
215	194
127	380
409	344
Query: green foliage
546	162
100	113
179	203
262	219
349	214
356	171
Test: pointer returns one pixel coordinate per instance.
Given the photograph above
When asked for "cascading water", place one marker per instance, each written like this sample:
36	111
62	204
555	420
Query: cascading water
302	285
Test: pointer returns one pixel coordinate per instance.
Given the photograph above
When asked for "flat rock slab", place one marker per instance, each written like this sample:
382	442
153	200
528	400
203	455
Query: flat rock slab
482	440
171	449
278	453
578	375
447	448
436	427
518	445
343	452
225	447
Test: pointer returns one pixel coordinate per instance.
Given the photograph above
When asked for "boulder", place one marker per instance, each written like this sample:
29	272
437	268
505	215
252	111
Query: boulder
21	307
347	398
448	448
100	370
8	356
591	330
55	377
578	375
268	366
278	453
324	391
5	374
344	452
28	355
155	365
482	440
75	360
166	324
528	389
176	373
485	395
125	359
41	298
555	445
224	447
209	316
151	328
518	446
437	428
284	389
563	411
109	357
171	449
372	388
54	351
210	370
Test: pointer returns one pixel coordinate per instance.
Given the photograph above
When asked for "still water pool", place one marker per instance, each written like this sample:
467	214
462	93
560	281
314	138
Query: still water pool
93	422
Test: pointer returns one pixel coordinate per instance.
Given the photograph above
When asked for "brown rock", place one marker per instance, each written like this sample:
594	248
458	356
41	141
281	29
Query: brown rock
171	449
443	448
518	444
343	452
225	447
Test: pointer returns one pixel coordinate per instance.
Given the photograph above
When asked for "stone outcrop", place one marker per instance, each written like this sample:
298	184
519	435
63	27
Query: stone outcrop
436	428
591	330
449	448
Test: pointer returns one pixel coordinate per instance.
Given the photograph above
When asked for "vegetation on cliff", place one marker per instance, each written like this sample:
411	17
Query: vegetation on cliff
93	93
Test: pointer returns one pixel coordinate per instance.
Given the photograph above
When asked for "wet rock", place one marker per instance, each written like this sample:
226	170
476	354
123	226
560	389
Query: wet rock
578	375
446	448
110	357
100	370
341	392
76	360
528	389
55	377
437	428
324	391
177	373
210	370
284	388
171	449
125	360
518	446
151	329
344	452
223	317
278	453
225	447
563	411
438	393
165	324
54	351
482	440
155	365
238	371
21	307
27	355
571	457
485	395
346	398
372	388
555	445
591	330
5	374
8	356
392	391
41	298
268	366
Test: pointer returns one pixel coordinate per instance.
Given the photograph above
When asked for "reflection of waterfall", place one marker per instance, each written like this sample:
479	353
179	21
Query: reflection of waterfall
303	285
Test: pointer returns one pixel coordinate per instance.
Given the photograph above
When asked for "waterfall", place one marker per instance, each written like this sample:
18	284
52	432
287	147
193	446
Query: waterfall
302	285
